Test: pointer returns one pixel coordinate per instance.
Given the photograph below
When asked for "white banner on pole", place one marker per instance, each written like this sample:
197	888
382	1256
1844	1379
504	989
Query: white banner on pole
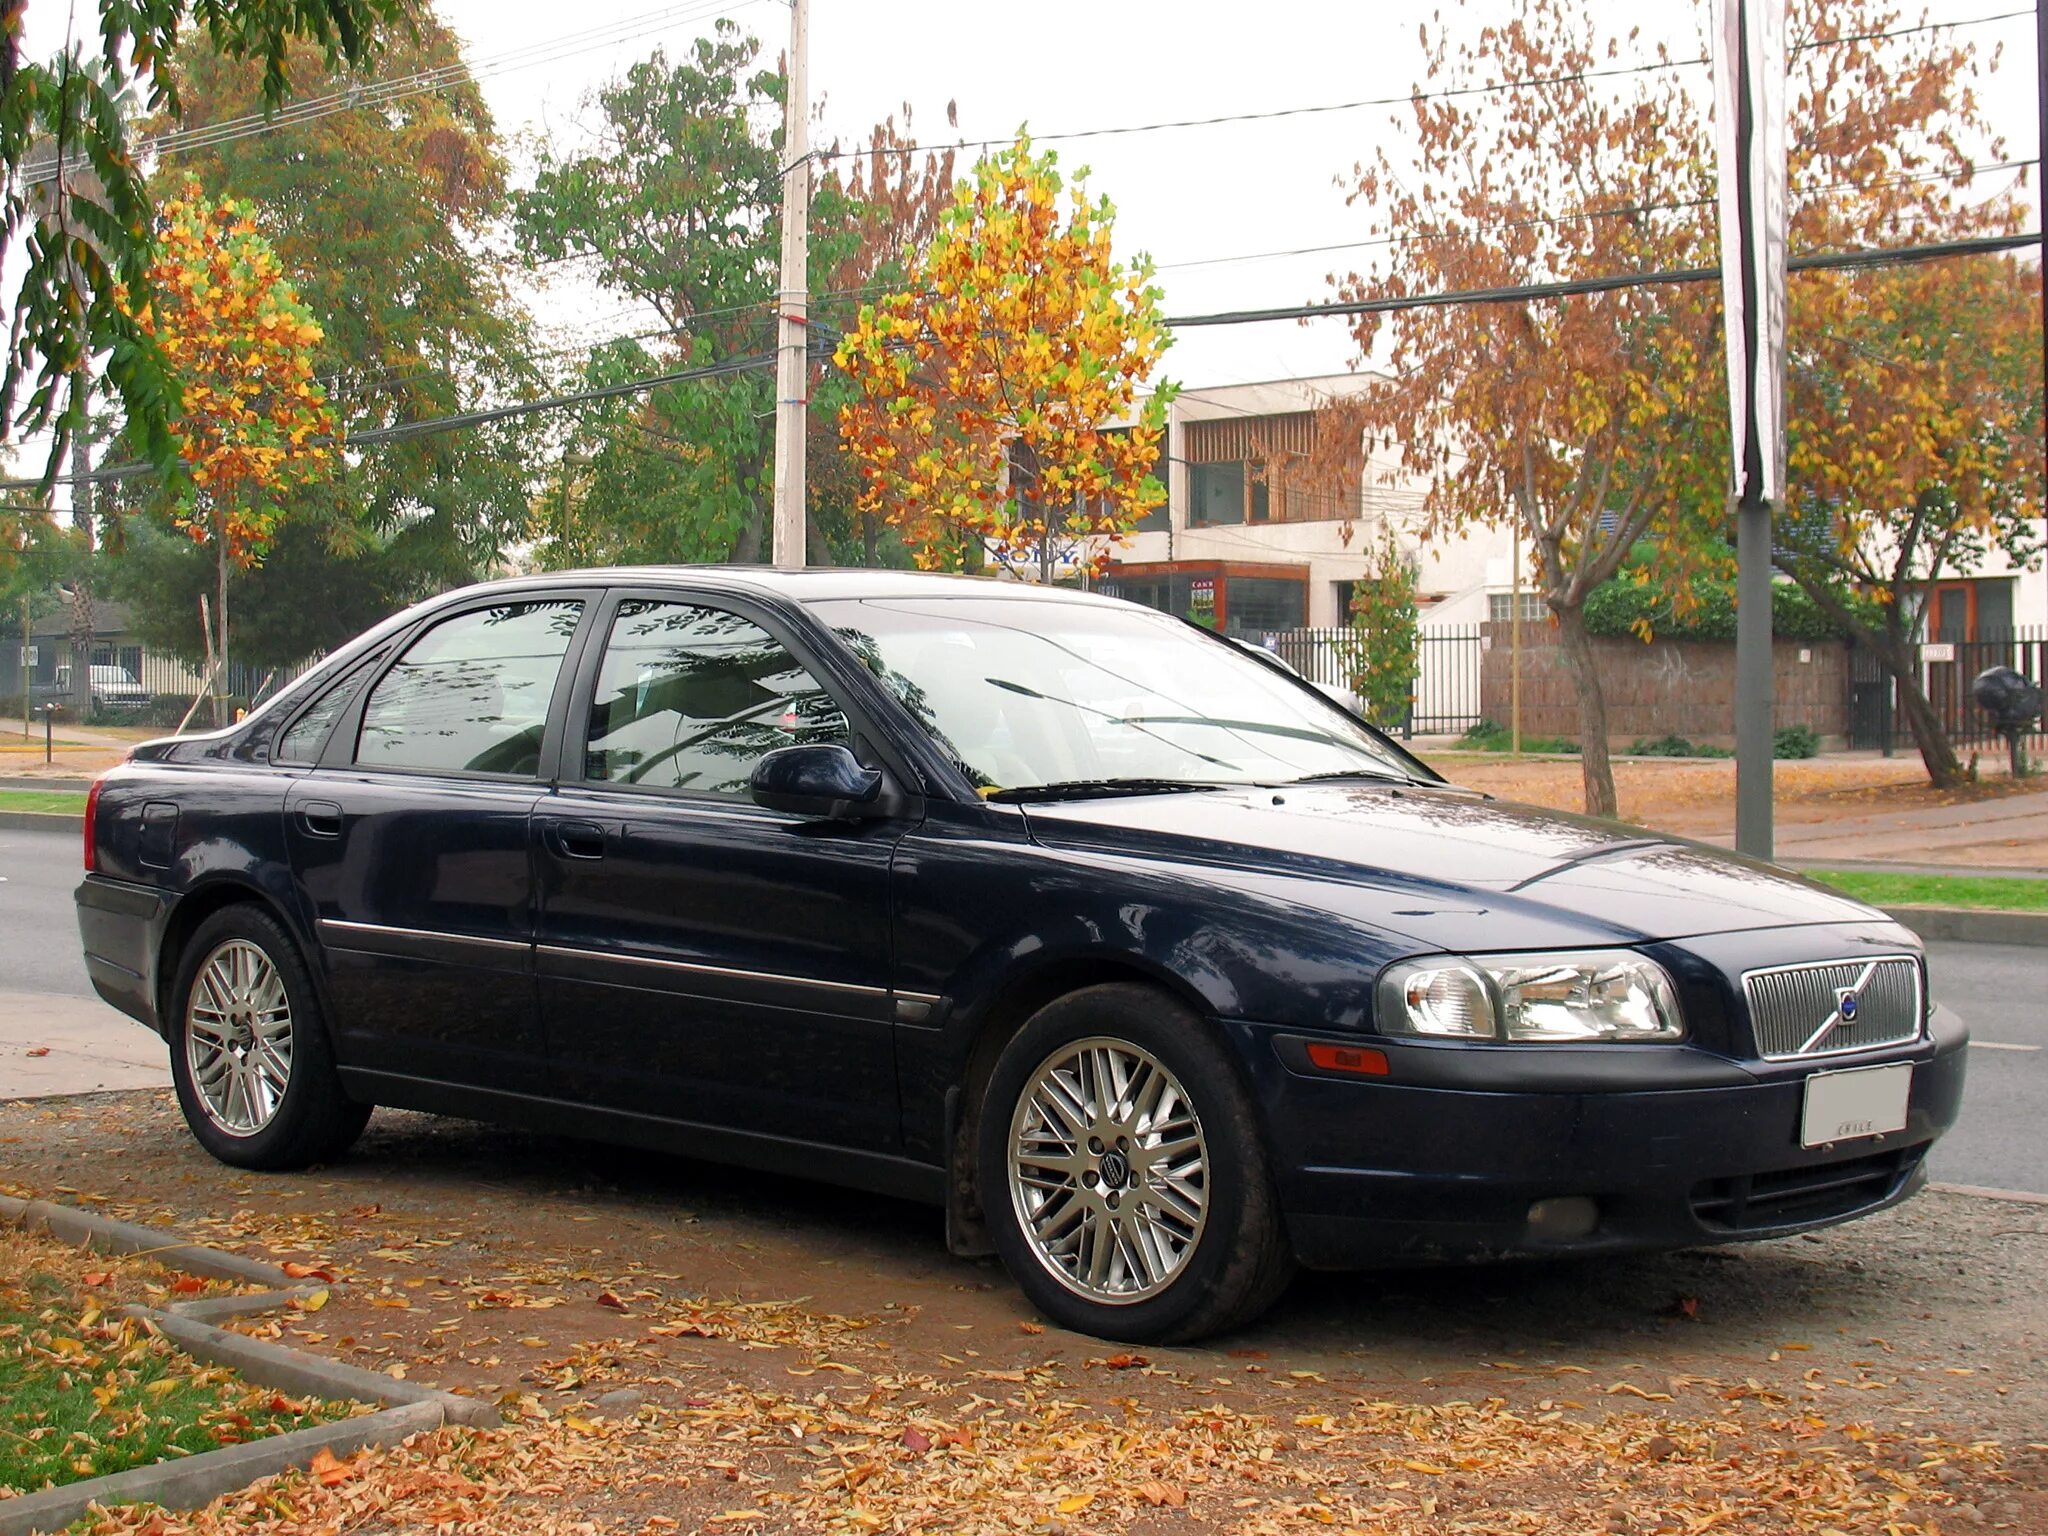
1749	111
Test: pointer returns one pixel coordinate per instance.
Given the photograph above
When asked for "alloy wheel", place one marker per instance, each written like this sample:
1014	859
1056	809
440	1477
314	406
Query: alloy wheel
1108	1170
238	1038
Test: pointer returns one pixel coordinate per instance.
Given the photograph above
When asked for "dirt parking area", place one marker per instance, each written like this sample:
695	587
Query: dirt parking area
684	1347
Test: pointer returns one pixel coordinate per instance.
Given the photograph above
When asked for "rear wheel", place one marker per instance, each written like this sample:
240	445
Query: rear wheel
249	1053
1122	1175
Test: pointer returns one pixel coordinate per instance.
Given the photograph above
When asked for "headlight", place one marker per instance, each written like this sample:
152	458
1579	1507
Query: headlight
1608	994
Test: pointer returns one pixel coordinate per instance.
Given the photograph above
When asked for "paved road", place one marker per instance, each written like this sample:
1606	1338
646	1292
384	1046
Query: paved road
1998	989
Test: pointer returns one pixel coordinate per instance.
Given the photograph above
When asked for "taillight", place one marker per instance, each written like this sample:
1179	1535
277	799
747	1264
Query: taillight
92	819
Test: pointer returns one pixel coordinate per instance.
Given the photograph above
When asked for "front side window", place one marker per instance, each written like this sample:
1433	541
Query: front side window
471	695
691	698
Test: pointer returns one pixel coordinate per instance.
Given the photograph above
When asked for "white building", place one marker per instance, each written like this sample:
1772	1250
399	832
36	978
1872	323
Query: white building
1251	553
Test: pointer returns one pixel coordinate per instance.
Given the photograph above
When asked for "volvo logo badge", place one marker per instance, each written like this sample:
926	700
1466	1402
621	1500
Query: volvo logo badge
1116	1170
1846	1004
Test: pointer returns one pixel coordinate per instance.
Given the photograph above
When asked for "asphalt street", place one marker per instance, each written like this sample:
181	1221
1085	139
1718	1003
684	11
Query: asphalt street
1998	989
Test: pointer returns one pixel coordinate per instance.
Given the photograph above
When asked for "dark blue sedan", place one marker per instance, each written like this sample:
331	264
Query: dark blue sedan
1158	971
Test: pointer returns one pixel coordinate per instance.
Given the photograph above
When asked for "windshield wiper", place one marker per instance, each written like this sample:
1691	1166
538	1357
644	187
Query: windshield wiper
1388	774
1081	789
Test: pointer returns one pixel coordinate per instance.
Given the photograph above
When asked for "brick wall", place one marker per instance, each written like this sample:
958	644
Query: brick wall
1666	688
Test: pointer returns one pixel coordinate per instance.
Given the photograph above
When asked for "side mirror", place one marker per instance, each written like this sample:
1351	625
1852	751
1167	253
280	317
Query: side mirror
826	781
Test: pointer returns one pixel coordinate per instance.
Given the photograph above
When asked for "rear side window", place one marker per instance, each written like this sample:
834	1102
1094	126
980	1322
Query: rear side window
692	698
302	741
471	694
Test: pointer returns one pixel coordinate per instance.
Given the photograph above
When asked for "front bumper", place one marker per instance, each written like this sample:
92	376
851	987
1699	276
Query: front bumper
1431	1162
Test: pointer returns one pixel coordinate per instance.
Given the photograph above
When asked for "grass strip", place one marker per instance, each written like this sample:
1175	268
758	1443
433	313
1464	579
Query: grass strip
85	1391
58	801
1986	892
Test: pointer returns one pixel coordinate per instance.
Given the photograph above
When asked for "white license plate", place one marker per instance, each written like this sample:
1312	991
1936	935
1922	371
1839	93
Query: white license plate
1845	1106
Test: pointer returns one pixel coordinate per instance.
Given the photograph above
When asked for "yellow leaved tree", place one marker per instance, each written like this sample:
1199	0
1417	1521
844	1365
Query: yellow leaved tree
253	420
998	408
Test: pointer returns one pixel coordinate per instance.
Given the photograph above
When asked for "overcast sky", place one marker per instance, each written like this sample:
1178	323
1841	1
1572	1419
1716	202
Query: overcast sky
1185	195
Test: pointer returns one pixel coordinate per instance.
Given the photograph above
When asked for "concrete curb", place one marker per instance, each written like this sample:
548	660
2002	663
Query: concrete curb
198	1480
41	821
1967	925
299	1374
104	1233
1979	1192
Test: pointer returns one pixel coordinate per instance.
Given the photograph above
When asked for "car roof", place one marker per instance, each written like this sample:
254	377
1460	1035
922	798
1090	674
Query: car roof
808	585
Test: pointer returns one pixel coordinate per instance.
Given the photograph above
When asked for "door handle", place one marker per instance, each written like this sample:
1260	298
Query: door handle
320	818
577	839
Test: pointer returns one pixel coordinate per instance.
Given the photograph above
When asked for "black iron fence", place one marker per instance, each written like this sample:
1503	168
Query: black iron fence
1445	698
1947	669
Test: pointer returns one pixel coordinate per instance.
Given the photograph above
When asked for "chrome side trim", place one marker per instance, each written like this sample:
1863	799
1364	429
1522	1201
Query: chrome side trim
694	968
336	925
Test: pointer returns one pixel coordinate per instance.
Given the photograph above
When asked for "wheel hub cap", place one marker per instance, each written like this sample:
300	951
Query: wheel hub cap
1108	1171
238	1038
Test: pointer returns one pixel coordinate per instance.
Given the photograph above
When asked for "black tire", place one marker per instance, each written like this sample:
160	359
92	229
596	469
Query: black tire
1238	1260
313	1120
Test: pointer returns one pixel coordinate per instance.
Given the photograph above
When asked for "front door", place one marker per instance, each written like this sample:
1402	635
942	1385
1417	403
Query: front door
703	959
411	844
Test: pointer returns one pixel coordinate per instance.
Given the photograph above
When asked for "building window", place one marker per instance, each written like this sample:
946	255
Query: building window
1500	607
1216	494
1262	603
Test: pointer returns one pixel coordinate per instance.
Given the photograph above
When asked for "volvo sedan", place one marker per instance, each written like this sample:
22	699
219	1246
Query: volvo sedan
1156	970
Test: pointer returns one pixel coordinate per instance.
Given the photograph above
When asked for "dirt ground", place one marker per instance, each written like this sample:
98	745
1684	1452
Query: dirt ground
683	1347
1882	799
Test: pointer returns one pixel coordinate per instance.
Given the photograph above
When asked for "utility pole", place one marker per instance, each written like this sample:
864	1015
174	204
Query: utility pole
2041	179
792	350
1515	646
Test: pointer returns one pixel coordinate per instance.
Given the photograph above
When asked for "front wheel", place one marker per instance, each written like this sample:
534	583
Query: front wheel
249	1056
1122	1174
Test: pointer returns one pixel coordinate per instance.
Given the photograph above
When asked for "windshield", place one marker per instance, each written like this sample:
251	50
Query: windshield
1022	694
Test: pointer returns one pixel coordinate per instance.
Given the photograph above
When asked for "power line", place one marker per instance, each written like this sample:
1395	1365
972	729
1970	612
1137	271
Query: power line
379	93
1628	210
1575	77
1521	293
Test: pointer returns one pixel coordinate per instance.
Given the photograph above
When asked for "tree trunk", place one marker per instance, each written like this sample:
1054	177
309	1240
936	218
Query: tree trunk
220	624
1937	753
1596	772
83	620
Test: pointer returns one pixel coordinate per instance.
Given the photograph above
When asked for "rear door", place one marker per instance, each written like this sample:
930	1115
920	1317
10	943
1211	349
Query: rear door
411	844
702	958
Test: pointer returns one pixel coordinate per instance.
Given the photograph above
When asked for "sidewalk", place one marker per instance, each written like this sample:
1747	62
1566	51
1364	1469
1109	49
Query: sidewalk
51	1045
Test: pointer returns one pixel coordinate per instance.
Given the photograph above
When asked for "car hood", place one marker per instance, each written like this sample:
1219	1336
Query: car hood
1452	869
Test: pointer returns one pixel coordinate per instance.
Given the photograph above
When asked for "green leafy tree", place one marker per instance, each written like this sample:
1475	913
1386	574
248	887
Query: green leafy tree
677	208
75	205
1380	649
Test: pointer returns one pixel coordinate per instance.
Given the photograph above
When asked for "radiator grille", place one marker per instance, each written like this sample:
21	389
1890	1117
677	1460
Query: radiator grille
1833	1007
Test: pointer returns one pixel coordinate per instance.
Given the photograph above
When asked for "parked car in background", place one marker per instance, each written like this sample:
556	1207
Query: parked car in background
1160	973
114	689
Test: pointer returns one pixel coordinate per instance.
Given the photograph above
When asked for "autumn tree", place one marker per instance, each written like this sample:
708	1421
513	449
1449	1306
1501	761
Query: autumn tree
1579	418
677	208
999	404
404	273
1914	394
252	418
74	203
